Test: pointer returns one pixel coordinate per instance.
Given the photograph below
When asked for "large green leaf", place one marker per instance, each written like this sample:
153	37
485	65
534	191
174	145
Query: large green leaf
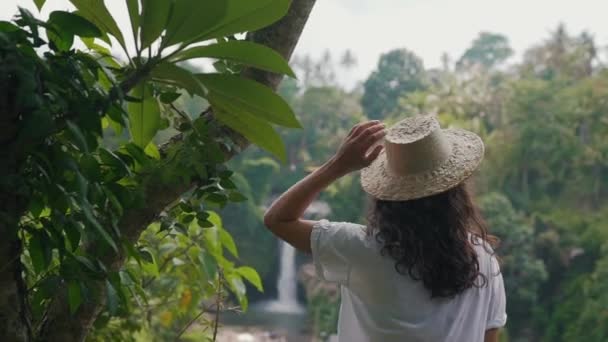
154	19
180	77
241	51
74	296
235	283
228	242
133	8
144	116
39	4
252	276
251	97
257	131
248	15
74	24
191	18
97	12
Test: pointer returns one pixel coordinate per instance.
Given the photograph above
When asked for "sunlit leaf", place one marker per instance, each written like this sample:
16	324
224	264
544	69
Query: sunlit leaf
212	241
153	20
235	282
245	95
152	150
241	51
144	116
209	266
60	40
252	276
257	131
228	242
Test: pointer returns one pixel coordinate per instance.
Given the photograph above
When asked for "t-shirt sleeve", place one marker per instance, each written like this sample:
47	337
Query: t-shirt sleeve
333	245
497	314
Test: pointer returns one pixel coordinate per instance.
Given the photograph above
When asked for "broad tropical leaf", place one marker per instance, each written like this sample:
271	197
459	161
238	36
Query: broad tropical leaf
97	12
73	24
144	116
257	131
154	19
247	15
39	4
191	18
241	51
180	77
251	97
133	8
252	276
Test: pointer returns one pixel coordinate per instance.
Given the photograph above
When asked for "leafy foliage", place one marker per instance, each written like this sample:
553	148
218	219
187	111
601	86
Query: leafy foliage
488	50
78	194
399	72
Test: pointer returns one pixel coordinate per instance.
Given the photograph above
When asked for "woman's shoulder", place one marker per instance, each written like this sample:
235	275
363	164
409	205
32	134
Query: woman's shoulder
341	232
347	229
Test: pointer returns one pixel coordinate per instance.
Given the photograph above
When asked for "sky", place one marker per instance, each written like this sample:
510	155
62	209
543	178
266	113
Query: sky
427	27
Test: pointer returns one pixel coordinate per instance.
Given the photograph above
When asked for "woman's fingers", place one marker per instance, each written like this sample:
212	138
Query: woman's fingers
354	129
373	154
371	135
362	127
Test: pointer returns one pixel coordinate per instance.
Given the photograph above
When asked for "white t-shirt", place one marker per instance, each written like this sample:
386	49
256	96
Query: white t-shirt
381	305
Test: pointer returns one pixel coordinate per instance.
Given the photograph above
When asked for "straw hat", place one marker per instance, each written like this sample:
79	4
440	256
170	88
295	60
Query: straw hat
421	159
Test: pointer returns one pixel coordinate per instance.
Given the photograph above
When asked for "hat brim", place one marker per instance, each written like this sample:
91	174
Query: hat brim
467	153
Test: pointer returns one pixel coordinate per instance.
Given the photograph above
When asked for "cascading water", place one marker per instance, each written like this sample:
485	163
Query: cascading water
287	284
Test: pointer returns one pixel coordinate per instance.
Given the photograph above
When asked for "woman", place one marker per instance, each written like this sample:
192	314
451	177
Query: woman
423	268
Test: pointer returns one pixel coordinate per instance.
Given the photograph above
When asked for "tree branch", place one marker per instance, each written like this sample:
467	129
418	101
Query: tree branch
60	324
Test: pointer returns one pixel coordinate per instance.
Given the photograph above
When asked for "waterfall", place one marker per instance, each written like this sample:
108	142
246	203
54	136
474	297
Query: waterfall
287	284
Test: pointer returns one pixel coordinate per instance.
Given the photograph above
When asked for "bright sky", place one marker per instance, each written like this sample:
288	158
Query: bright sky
427	27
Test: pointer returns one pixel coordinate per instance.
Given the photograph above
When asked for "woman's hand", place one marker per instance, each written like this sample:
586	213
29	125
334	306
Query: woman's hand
284	217
354	153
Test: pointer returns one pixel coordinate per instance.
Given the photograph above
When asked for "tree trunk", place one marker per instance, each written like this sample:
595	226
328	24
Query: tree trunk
14	314
60	325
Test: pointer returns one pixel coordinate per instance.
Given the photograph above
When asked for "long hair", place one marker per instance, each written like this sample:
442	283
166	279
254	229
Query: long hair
431	239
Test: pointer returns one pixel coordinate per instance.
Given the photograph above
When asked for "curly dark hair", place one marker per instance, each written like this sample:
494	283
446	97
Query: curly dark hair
431	239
